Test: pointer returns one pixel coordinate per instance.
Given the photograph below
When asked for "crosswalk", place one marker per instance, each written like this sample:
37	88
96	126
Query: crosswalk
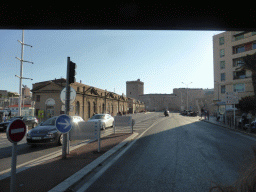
4	142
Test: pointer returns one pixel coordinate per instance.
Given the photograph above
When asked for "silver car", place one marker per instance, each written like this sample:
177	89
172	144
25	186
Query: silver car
106	120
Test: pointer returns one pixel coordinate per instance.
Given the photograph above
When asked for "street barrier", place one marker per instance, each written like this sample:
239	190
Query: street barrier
123	124
86	130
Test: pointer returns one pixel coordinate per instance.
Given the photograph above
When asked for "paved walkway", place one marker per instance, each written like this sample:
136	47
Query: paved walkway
213	120
51	173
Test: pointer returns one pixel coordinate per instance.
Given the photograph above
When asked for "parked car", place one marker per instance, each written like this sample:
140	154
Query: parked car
47	133
106	120
4	125
28	120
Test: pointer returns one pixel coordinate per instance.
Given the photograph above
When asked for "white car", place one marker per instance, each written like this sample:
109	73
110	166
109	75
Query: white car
106	120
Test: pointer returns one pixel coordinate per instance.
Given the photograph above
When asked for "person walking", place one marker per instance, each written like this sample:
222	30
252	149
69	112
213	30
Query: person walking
202	112
208	115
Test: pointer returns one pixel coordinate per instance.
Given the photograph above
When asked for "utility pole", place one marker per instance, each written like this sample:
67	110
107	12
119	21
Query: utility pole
21	70
70	79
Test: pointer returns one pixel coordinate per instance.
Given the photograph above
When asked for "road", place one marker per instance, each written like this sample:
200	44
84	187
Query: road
179	154
27	153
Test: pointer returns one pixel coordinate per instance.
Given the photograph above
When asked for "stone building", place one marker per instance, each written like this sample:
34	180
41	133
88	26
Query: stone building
134	89
189	99
135	106
89	100
160	102
181	98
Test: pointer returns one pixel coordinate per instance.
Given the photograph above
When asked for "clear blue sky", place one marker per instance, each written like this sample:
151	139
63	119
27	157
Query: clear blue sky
106	59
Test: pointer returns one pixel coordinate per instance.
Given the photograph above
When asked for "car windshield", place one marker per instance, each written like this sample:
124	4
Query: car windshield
49	122
98	117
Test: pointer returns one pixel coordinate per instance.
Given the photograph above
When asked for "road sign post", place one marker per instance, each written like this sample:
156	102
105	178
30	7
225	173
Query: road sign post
232	98
15	132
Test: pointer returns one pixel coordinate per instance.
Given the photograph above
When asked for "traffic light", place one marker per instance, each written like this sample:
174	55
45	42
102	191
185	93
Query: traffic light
72	72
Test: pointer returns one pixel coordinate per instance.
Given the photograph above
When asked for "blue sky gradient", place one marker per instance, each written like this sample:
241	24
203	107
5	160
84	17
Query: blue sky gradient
106	59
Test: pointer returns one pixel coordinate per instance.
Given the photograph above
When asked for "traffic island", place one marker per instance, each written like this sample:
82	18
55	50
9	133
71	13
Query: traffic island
59	174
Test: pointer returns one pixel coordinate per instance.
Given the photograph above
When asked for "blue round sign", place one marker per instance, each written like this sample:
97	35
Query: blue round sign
63	124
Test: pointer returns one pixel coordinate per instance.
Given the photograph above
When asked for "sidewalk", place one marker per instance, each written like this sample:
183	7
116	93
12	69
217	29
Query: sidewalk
213	120
52	173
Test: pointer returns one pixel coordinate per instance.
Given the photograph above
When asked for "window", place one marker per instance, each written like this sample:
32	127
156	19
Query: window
89	109
238	37
221	40
238	87
239	74
223	89
254	46
222	65
94	107
240	49
222	77
38	98
222	53
77	108
238	62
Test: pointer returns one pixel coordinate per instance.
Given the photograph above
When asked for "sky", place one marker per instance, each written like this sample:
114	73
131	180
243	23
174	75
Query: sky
106	59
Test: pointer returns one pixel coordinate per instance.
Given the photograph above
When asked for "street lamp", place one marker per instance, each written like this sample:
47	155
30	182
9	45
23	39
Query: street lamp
187	92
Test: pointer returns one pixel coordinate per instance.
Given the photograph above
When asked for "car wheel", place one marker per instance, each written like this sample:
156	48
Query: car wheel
60	142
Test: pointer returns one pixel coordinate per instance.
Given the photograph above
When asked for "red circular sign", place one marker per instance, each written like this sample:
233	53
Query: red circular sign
16	131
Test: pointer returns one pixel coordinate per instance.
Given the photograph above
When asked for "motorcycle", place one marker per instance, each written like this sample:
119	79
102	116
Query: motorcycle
166	113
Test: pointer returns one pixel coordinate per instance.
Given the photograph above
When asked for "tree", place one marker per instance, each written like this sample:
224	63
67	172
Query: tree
247	104
249	63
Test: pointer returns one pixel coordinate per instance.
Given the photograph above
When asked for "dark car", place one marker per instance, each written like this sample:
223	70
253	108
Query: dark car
47	133
4	125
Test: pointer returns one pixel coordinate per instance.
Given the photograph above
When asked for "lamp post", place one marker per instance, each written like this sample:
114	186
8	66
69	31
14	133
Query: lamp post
187	91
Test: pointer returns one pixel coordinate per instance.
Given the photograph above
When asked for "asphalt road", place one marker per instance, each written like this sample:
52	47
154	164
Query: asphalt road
179	154
26	153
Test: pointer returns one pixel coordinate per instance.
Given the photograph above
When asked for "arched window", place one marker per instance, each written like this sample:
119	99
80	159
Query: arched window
89	110
108	109
77	108
94	107
103	108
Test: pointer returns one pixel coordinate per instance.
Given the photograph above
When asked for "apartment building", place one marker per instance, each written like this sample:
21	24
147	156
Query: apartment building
228	49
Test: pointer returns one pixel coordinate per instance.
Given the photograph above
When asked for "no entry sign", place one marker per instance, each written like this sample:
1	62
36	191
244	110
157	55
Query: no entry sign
16	131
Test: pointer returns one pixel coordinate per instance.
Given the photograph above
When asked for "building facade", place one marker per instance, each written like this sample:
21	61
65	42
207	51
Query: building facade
134	89
159	102
181	98
228	49
89	100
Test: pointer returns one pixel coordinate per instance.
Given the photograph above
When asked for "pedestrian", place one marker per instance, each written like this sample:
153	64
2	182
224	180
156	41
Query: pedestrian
202	111
205	112
5	117
208	115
